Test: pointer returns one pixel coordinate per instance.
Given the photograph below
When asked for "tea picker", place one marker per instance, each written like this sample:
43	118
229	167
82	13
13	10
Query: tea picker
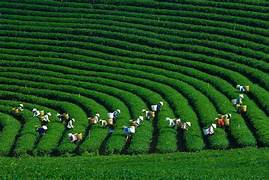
18	109
128	131
35	112
242	109
112	119
242	89
45	118
137	122
69	124
42	130
149	115
75	137
64	117
209	130
238	100
178	123
94	120
115	115
172	122
157	107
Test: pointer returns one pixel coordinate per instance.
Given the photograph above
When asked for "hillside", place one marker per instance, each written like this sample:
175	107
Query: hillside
200	58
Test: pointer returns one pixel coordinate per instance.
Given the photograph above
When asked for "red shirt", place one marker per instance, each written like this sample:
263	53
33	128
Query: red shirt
220	122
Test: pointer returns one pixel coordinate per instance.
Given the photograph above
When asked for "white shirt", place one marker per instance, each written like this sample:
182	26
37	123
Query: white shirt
138	121
209	131
242	89
97	118
132	129
171	122
46	118
149	114
70	125
110	115
73	138
178	121
36	113
154	107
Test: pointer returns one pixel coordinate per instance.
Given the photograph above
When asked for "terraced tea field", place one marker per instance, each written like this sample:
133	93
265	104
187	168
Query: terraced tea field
86	58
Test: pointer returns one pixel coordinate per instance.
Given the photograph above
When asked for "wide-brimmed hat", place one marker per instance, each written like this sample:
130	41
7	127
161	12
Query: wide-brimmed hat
189	124
214	126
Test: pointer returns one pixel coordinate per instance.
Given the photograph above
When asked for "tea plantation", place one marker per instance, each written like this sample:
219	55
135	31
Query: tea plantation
86	57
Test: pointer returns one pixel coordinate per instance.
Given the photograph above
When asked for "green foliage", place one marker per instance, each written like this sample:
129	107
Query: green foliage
195	165
9	128
99	56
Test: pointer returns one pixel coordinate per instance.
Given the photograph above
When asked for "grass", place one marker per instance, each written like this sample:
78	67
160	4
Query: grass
202	165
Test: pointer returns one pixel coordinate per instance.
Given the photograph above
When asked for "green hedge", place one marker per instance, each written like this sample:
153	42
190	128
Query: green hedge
49	142
9	129
165	123
142	59
27	138
255	75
